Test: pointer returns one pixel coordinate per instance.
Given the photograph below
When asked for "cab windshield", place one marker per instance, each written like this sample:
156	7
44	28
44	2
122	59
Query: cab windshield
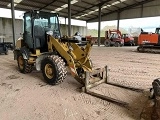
49	23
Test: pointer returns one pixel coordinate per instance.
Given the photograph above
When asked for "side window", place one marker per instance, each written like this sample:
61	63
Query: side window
116	35
54	23
28	27
55	26
28	30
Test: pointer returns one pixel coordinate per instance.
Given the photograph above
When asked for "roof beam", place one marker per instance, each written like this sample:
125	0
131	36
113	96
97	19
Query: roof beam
124	2
125	8
74	4
96	5
47	5
50	4
8	1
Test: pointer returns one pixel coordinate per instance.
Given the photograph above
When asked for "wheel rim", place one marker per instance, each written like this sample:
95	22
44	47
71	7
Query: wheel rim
49	71
21	62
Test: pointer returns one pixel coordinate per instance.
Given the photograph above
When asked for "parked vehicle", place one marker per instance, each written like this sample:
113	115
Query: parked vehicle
128	39
149	42
3	46
113	38
82	41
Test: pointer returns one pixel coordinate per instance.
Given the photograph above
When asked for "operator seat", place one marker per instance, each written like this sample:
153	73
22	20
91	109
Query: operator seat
39	34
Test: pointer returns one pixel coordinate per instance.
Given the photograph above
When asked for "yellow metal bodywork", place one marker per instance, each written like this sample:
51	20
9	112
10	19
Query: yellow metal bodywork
32	58
19	43
75	56
37	53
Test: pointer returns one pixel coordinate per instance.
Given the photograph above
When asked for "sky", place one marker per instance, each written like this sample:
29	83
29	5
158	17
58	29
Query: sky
147	24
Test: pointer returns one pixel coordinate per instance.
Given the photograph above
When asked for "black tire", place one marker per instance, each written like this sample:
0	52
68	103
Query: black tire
23	65
53	69
6	53
107	43
117	44
6	49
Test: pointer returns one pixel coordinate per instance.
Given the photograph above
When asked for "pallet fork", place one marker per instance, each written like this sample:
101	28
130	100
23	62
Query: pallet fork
98	77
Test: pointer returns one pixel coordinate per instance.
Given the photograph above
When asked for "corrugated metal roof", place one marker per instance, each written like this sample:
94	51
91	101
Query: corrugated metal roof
88	9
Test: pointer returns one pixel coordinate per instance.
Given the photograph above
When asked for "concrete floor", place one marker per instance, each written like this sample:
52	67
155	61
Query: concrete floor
28	97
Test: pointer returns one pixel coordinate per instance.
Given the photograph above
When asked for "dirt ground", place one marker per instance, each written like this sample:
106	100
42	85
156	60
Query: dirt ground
28	97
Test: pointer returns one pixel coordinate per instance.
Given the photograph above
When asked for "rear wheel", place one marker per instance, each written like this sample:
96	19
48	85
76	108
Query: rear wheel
53	69
23	65
6	49
107	43
6	53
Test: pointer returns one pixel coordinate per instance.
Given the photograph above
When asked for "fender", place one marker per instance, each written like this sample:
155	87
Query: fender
39	60
24	51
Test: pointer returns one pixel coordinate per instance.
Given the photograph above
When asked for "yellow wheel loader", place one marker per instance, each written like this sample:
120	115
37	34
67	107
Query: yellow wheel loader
43	47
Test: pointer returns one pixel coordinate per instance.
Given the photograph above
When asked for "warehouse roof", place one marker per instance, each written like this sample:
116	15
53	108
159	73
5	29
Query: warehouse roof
88	9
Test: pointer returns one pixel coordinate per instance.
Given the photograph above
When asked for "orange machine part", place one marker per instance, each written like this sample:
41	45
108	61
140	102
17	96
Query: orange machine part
127	39
148	38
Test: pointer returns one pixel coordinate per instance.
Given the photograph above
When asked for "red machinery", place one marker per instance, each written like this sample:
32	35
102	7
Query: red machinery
113	38
128	39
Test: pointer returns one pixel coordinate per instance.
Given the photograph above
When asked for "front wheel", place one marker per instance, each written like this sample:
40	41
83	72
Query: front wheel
53	69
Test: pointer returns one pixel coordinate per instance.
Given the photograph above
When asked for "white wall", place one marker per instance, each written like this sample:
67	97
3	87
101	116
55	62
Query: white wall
6	29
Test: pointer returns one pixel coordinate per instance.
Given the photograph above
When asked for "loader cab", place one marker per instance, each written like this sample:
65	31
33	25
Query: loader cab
37	25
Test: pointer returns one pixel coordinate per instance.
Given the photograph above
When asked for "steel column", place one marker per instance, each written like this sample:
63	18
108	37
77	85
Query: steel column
65	27
13	22
118	18
99	26
86	28
69	17
141	10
